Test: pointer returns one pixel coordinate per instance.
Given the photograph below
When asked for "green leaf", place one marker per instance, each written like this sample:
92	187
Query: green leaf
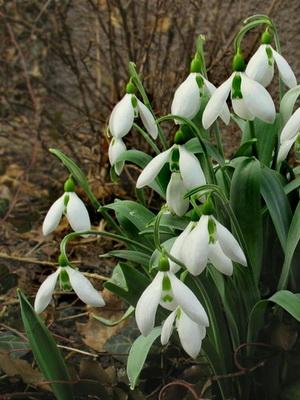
109	322
17	346
291	186
291	244
46	353
245	148
129	255
285	299
127	283
77	174
138	354
246	203
141	159
277	203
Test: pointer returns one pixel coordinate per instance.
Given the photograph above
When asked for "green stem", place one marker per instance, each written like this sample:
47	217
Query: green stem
218	137
252	136
73	235
147	138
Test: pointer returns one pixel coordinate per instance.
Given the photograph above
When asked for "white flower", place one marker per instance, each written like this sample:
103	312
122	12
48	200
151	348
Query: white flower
175	195
261	67
187	98
203	242
116	148
122	117
249	100
80	284
74	209
170	292
289	135
190	333
190	176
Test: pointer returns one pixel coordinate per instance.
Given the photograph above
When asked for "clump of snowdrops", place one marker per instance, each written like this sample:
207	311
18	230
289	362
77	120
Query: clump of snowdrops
215	269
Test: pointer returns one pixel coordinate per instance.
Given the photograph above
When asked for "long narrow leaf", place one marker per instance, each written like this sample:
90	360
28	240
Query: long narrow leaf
45	351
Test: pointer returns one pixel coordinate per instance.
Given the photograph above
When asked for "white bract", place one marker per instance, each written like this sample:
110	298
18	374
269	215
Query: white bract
80	284
206	241
74	209
116	149
190	333
189	176
289	135
123	114
166	289
249	100
261	67
187	98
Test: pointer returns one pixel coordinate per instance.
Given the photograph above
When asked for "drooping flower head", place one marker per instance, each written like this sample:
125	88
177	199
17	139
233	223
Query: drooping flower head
67	276
206	240
261	65
70	205
187	98
186	175
289	135
249	98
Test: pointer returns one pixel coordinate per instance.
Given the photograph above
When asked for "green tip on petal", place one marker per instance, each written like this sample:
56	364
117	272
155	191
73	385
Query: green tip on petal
64	280
238	62
69	185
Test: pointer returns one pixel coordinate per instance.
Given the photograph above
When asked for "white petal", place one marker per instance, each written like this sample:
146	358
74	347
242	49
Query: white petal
175	195
241	110
177	248
53	216
116	148
219	260
216	103
186	101
167	328
229	244
44	294
258	67
84	289
152	169
257	99
195	247
284	149
148	119
190	169
190	335
225	113
285	71
77	214
189	303
291	128
147	305
121	118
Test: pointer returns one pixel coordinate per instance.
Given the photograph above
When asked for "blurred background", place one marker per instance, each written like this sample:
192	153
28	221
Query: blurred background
63	66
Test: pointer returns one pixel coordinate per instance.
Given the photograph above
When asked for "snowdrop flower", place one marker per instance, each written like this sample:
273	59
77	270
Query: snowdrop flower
116	148
289	135
70	205
124	112
187	174
261	65
206	241
190	333
166	289
80	284
249	100
187	98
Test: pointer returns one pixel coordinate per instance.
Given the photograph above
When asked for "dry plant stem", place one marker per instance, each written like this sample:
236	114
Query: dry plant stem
185	384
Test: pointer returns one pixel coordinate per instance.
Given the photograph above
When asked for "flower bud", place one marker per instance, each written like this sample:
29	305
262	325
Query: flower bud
69	185
163	264
266	37
238	62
